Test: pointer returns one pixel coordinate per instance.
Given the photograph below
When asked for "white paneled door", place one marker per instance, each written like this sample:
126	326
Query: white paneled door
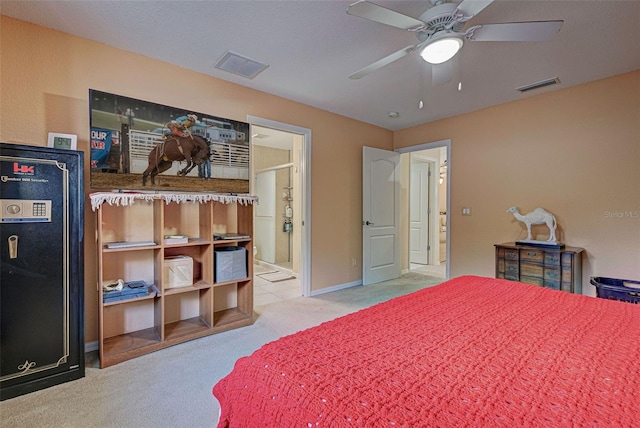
381	212
419	213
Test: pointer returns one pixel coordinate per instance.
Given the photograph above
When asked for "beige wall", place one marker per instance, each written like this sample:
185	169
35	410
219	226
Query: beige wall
44	83
575	152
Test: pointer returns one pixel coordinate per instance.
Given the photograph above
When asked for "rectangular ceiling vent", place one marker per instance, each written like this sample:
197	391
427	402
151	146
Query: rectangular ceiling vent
240	65
538	85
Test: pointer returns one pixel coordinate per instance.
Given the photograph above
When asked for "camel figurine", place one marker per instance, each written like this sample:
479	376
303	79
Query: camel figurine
537	216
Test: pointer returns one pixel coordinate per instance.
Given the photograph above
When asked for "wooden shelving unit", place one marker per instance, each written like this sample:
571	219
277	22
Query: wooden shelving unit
134	327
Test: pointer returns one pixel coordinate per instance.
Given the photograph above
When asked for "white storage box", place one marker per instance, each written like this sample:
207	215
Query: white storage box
178	272
231	263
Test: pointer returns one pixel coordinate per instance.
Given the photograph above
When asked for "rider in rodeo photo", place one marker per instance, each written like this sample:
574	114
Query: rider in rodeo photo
178	145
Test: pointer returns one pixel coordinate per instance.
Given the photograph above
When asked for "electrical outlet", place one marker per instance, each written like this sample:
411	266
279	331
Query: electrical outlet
466	211
354	262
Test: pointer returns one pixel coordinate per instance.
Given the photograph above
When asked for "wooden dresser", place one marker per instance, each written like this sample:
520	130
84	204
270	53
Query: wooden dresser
557	268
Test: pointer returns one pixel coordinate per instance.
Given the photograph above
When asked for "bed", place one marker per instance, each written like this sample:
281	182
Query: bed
471	351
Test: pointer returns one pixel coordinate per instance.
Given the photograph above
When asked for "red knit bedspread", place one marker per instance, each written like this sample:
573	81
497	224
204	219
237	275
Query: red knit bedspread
471	351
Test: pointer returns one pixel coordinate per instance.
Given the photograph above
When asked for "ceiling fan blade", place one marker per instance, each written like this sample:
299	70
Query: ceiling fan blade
373	12
382	62
515	31
470	8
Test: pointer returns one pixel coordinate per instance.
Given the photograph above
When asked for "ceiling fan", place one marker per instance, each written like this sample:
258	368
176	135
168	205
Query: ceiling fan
440	31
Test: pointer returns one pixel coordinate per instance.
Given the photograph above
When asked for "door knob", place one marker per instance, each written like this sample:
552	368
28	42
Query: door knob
368	223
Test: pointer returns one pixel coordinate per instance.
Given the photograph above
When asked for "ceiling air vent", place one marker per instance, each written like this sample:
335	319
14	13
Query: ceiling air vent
240	65
538	85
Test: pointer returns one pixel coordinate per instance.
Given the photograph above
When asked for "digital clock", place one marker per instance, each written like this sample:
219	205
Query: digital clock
62	141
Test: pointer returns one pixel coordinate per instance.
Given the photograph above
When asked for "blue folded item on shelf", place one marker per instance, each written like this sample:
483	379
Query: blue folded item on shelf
127	292
119	298
135	284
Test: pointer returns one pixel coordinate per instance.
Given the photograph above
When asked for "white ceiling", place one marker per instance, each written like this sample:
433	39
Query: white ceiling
261	136
312	46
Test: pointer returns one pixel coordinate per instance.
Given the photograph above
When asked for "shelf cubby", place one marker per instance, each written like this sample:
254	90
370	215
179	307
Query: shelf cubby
188	314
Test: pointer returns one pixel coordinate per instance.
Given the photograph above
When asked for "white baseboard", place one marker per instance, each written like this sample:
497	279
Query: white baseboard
335	288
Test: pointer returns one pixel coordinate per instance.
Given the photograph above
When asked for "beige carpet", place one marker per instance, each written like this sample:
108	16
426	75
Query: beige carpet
172	387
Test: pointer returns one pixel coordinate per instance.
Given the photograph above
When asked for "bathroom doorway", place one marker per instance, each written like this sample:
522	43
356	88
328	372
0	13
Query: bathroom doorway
278	180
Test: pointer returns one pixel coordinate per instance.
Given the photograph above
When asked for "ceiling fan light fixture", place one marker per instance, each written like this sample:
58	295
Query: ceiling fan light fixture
441	50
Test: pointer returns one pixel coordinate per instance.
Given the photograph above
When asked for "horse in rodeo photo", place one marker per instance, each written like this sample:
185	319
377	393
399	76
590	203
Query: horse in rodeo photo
192	148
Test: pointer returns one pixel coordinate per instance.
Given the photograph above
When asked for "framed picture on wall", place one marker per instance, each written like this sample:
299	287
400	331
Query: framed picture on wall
142	145
62	141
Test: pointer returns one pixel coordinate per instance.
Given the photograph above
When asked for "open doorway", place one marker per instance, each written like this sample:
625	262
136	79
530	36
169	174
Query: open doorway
278	180
427	208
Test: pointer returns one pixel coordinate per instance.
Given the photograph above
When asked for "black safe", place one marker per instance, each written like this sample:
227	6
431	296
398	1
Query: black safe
42	268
